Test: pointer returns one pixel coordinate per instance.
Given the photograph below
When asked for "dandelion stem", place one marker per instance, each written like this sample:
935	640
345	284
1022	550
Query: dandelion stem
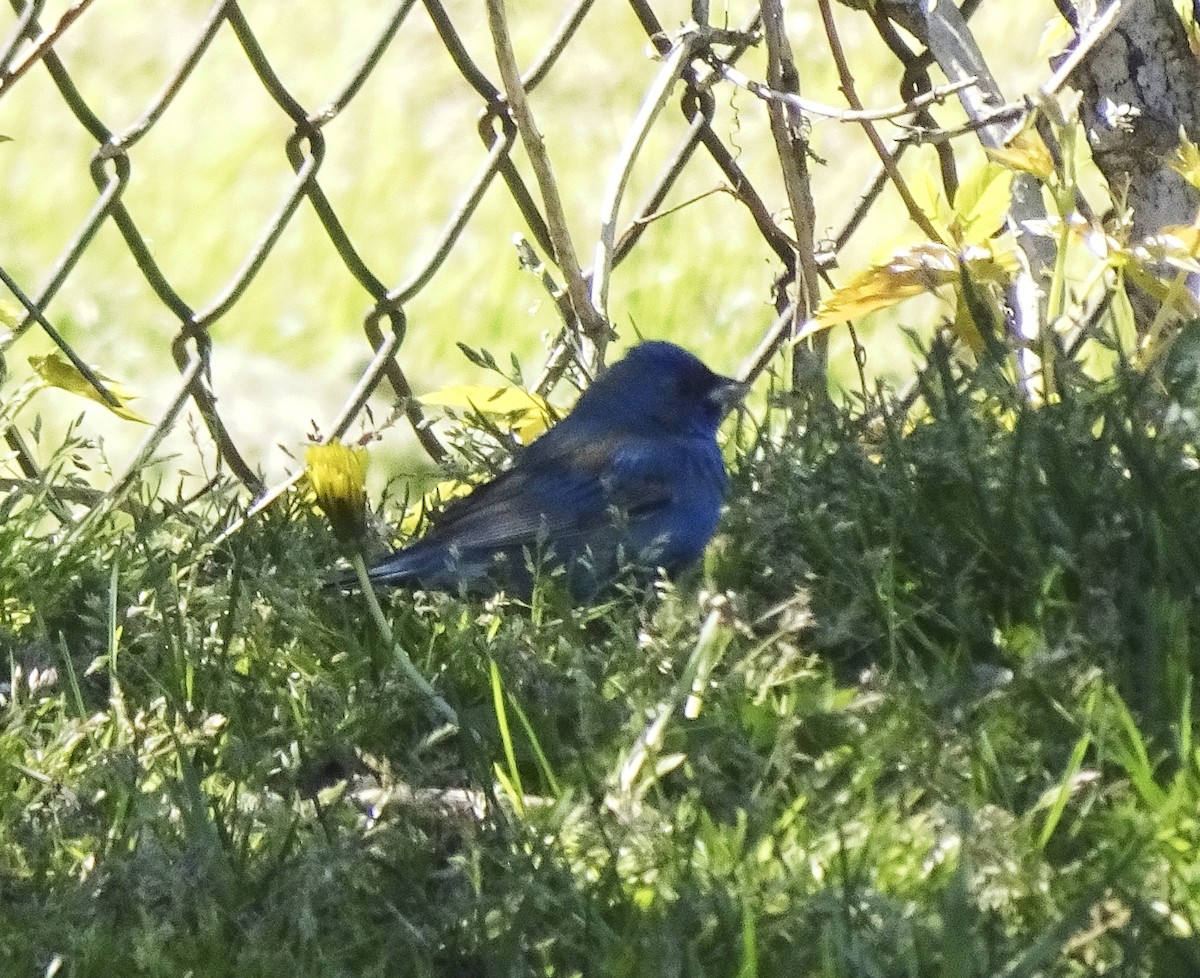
402	658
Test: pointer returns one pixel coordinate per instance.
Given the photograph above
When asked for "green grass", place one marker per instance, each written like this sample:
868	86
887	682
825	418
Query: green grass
927	710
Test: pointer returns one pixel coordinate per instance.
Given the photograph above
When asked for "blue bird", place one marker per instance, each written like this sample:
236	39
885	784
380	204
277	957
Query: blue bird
631	478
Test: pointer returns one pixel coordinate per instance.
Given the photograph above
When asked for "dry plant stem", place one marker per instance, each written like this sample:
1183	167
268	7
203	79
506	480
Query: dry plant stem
79	495
807	367
22	455
411	673
769	345
115	496
846	80
34	476
953	47
1097	31
43	44
652	105
260	503
1012	111
866	199
591	321
556	365
934	96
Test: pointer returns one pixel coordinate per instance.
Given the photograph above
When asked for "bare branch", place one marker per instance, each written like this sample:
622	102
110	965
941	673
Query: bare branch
678	58
767	94
1097	31
847	84
43	44
591	321
787	127
953	47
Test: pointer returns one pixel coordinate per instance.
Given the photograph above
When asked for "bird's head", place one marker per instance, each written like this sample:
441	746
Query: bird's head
659	388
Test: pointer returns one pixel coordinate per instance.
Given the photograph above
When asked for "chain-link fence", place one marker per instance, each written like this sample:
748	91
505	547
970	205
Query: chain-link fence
693	130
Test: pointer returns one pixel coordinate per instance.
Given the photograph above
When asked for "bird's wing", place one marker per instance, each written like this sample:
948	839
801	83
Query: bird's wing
584	496
563	489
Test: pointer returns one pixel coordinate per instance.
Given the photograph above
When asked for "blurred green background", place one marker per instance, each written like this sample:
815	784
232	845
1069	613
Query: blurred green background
207	177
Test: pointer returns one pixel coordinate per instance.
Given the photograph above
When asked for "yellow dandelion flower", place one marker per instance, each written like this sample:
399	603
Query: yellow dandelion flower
337	474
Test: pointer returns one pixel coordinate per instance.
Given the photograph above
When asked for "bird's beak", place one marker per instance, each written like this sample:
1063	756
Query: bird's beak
728	393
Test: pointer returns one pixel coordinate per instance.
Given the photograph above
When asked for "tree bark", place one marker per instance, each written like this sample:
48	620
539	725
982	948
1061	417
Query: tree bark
1141	86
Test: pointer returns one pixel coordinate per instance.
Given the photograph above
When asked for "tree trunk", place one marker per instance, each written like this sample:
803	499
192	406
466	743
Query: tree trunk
1141	86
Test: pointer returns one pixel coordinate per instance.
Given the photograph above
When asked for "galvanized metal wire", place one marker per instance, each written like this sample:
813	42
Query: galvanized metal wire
696	59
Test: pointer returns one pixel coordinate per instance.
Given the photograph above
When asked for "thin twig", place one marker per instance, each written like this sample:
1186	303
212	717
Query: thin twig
723	188
949	39
652	105
787	128
43	45
77	495
916	136
866	200
769	345
766	93
56	498
846	80
921	136
591	321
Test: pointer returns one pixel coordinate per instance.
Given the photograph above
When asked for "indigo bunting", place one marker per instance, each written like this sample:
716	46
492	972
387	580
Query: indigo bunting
631	478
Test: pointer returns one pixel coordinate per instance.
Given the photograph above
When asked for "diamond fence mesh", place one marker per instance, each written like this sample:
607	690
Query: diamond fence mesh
145	238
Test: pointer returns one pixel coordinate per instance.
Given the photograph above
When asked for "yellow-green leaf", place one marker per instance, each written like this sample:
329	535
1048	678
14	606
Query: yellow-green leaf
930	197
981	203
10	315
993	260
1027	152
1057	36
1152	285
56	371
1186	11
965	327
524	414
1187	162
913	271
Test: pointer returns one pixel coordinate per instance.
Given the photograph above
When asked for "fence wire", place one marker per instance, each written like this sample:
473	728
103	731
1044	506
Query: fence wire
704	57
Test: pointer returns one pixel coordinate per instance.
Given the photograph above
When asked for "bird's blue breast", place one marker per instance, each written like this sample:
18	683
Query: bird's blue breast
675	535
